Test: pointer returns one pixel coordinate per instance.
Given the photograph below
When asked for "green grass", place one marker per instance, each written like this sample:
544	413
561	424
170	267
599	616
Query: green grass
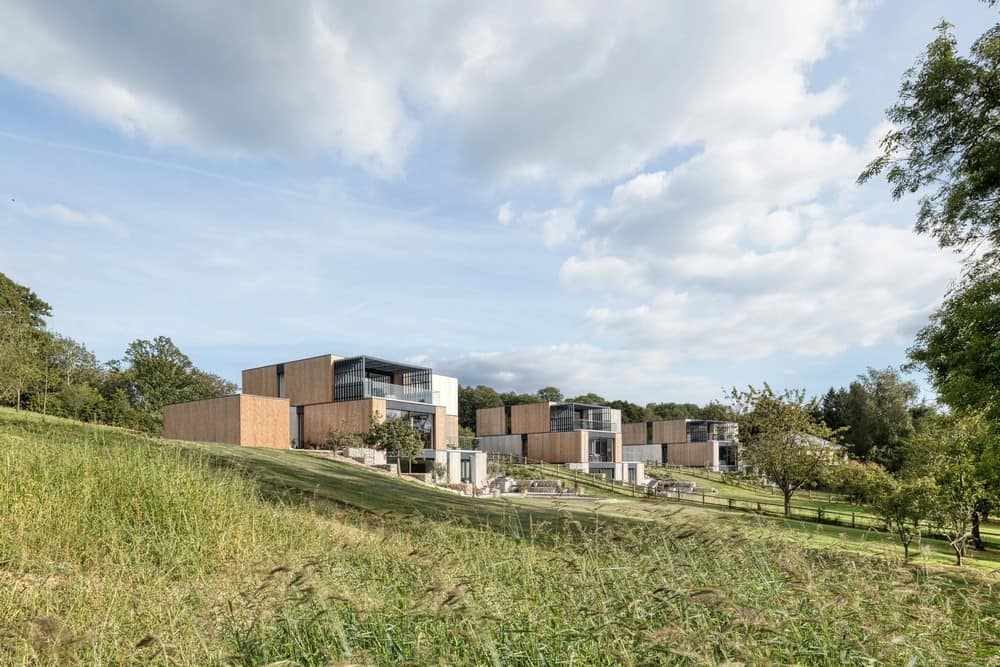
120	549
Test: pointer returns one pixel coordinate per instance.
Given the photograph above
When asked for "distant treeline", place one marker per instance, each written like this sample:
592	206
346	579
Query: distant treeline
46	372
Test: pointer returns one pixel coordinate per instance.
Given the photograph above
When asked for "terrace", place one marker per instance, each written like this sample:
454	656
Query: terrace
581	417
369	377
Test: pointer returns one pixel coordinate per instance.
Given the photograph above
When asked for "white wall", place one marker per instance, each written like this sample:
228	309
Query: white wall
642	453
447	388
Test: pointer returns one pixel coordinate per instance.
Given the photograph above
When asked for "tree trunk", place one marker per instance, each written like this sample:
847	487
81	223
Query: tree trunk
977	539
788	503
906	551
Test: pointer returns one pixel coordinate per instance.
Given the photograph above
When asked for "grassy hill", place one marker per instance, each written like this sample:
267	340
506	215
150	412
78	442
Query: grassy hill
121	549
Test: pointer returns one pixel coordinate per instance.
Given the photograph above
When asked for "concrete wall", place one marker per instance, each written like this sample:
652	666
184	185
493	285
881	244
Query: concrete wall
642	453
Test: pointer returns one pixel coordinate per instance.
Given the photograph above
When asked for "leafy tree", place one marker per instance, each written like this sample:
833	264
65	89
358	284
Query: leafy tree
22	337
588	399
155	373
861	482
550	394
960	348
670	411
631	412
945	142
396	436
781	438
514	398
905	506
717	411
471	399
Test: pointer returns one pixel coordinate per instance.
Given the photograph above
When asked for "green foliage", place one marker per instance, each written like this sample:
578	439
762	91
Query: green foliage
876	413
960	348
905	506
396	436
782	439
471	399
550	394
944	142
23	340
214	554
862	483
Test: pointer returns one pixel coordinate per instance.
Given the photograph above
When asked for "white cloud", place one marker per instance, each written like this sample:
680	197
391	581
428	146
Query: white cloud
571	93
69	216
505	213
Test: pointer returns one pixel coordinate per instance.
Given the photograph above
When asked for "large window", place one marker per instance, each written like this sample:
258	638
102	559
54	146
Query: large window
420	421
600	450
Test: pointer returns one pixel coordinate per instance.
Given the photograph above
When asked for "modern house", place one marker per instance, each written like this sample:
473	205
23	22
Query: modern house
701	443
585	437
299	404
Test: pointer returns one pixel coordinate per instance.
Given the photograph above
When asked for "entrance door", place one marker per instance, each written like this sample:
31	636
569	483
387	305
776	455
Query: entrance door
466	471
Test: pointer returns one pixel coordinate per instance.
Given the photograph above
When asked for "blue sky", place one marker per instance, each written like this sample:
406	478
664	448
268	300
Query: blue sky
650	203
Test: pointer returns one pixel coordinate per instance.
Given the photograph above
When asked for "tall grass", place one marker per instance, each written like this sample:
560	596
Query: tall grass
118	549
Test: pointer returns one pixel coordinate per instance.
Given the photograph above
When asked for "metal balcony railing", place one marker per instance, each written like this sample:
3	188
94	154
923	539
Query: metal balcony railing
399	392
574	424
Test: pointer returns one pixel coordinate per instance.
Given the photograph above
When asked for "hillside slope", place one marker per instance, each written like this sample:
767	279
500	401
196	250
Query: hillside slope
116	548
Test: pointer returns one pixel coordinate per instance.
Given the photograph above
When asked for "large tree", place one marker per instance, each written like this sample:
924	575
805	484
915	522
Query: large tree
23	338
945	142
782	439
154	373
960	348
471	399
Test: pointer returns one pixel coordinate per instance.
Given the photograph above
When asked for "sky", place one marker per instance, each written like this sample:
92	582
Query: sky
651	201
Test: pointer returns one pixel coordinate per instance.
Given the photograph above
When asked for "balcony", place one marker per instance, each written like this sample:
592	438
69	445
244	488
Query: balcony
398	392
575	424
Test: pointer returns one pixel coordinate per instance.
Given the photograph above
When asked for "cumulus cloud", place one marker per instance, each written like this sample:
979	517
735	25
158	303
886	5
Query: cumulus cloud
570	93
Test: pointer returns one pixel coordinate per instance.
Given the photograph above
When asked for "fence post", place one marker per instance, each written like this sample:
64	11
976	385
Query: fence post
758	507
852	519
730	501
819	513
702	497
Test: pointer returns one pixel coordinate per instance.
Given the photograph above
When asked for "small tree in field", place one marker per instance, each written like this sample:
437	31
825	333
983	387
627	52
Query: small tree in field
905	506
396	436
781	438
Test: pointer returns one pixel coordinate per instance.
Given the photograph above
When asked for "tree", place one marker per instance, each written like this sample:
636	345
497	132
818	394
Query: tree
717	412
905	506
670	411
22	336
155	373
945	142
631	412
396	436
588	399
861	482
550	394
471	399
781	438
960	347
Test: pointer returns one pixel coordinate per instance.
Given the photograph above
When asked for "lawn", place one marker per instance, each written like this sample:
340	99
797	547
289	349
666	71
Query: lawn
121	549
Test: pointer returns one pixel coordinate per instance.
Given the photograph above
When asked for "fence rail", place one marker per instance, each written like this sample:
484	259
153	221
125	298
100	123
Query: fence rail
762	507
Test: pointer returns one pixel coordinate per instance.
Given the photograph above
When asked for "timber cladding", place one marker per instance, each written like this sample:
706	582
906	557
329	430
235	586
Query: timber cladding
618	454
322	419
530	418
674	430
440	430
562	447
261	381
451	429
264	422
310	380
491	421
255	421
634	434
693	454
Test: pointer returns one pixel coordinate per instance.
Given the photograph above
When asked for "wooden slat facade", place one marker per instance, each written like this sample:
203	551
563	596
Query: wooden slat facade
264	422
674	430
261	381
530	418
693	454
619	455
253	421
451	429
321	419
634	434
439	435
562	447
310	380
491	421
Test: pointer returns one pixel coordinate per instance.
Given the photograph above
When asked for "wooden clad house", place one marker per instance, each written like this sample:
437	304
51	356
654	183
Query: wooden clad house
300	403
701	443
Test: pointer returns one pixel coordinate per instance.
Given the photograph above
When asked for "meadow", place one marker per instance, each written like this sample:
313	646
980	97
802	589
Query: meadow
116	548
